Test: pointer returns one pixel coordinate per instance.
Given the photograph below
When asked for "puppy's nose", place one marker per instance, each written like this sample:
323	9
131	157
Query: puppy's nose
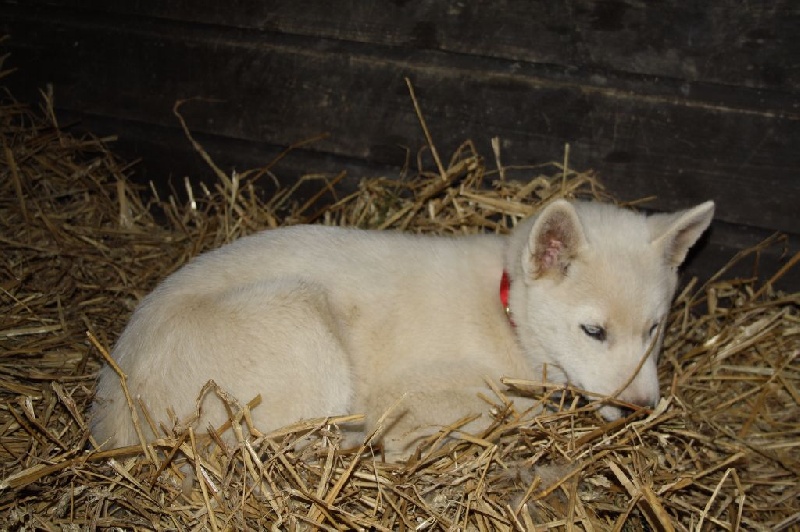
625	411
646	401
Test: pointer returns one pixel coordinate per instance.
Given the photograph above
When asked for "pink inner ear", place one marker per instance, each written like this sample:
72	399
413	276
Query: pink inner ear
549	257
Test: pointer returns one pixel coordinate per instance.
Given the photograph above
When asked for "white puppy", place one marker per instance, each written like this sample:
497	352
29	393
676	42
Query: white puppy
326	321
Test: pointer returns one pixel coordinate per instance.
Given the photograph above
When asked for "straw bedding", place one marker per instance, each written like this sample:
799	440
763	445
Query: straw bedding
81	245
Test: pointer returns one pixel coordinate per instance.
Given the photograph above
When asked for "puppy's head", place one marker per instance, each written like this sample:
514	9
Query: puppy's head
592	288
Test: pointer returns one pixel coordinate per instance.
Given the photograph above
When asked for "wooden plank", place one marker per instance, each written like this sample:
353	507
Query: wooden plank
717	41
278	89
165	157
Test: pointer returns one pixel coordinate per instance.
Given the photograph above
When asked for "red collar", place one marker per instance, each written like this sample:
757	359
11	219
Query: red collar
505	286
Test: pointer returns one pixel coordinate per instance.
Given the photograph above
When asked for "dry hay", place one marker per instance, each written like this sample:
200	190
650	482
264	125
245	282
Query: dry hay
79	249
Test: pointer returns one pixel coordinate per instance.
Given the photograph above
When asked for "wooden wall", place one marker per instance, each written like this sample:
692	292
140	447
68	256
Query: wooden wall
684	100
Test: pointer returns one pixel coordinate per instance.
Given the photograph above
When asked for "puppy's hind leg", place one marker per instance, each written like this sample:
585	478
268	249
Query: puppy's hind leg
292	354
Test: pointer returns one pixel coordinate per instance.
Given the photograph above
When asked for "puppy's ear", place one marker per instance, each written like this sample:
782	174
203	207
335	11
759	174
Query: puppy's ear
555	240
676	233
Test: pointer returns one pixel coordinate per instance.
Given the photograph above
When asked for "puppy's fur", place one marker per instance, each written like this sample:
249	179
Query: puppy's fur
325	321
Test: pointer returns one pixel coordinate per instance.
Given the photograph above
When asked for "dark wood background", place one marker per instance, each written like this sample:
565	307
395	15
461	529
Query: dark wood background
684	100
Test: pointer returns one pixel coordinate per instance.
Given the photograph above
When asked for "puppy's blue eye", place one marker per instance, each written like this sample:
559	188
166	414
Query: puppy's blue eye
594	331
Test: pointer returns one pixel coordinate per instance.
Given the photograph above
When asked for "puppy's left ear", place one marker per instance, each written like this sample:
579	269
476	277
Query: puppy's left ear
676	233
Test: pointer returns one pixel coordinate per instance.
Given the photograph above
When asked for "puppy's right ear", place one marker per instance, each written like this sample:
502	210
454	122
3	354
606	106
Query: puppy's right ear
556	238
674	234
